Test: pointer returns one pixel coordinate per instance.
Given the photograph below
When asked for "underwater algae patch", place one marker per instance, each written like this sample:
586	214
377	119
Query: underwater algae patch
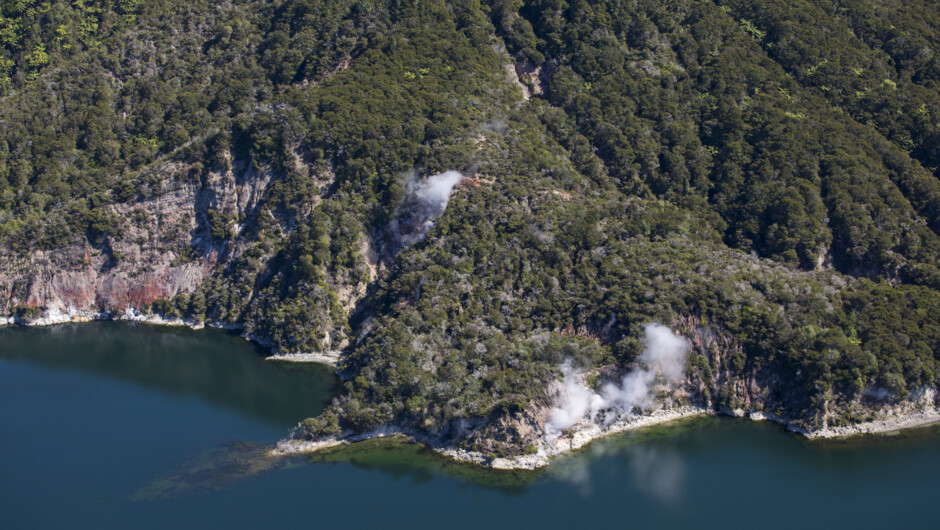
221	467
214	469
403	458
398	456
652	453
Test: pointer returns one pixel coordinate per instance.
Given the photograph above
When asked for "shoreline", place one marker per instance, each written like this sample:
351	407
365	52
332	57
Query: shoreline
563	445
572	441
327	357
57	317
581	438
577	439
909	420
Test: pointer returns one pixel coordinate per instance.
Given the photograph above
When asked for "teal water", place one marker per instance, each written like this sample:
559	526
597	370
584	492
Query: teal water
112	425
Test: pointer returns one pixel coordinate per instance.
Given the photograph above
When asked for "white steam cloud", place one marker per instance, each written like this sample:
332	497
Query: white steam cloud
425	200
435	190
664	356
577	402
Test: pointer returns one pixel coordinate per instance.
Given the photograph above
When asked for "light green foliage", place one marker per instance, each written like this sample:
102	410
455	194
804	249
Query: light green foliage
733	171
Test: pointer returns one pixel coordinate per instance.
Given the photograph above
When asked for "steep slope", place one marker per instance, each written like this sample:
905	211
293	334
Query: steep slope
282	167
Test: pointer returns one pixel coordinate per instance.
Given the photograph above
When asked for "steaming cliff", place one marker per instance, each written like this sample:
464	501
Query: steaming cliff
477	210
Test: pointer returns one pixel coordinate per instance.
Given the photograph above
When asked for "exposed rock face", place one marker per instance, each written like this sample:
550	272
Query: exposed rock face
144	264
214	240
165	247
532	78
511	433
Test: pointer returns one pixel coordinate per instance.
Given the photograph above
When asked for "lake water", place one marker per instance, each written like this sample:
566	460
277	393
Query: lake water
115	425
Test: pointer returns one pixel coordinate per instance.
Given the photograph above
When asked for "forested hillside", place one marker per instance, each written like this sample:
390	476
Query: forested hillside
762	177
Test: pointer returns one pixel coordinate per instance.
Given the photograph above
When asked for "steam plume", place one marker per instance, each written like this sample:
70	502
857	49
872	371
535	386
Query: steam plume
435	190
425	201
578	401
664	356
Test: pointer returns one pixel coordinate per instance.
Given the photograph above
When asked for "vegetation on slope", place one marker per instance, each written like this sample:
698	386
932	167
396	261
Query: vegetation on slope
761	176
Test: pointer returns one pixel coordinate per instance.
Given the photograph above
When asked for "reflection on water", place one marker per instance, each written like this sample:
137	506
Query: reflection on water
209	364
577	473
90	415
656	469
395	456
659	472
655	460
403	459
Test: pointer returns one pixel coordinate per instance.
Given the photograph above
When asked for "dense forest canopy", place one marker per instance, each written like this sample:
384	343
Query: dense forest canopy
763	174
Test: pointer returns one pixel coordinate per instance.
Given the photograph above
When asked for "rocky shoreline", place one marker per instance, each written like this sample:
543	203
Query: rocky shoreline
574	439
55	317
579	438
917	418
327	357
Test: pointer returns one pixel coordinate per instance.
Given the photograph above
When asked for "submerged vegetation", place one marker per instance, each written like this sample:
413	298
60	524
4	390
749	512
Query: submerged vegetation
761	177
